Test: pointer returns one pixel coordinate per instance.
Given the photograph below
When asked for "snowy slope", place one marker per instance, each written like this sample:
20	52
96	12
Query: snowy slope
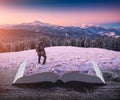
63	59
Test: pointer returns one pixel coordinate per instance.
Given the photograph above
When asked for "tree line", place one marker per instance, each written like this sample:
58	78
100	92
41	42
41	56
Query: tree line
24	43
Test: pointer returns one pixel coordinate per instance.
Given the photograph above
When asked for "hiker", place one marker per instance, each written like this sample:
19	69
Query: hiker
40	51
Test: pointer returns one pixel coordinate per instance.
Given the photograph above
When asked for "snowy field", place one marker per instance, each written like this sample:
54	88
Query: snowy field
63	59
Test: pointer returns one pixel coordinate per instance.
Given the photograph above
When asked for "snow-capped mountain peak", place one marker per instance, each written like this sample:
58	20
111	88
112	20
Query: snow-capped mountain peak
83	29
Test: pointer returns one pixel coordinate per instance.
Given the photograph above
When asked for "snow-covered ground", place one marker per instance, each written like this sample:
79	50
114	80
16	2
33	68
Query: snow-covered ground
63	59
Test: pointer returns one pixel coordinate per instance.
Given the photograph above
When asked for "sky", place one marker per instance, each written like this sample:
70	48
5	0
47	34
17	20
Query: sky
60	12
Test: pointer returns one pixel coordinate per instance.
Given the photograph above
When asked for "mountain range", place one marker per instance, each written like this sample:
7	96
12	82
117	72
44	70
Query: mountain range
74	31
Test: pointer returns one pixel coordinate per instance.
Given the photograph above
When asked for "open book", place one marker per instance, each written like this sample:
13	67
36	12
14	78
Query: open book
73	76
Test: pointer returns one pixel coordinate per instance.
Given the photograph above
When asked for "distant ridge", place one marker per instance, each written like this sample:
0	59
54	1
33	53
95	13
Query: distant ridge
88	29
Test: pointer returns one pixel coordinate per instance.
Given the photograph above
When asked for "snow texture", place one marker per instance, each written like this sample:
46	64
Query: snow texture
63	59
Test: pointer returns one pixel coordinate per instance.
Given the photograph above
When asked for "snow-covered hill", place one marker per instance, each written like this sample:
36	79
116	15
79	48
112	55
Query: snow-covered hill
63	59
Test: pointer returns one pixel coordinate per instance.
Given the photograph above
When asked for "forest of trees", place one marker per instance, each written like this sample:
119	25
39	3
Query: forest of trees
25	42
